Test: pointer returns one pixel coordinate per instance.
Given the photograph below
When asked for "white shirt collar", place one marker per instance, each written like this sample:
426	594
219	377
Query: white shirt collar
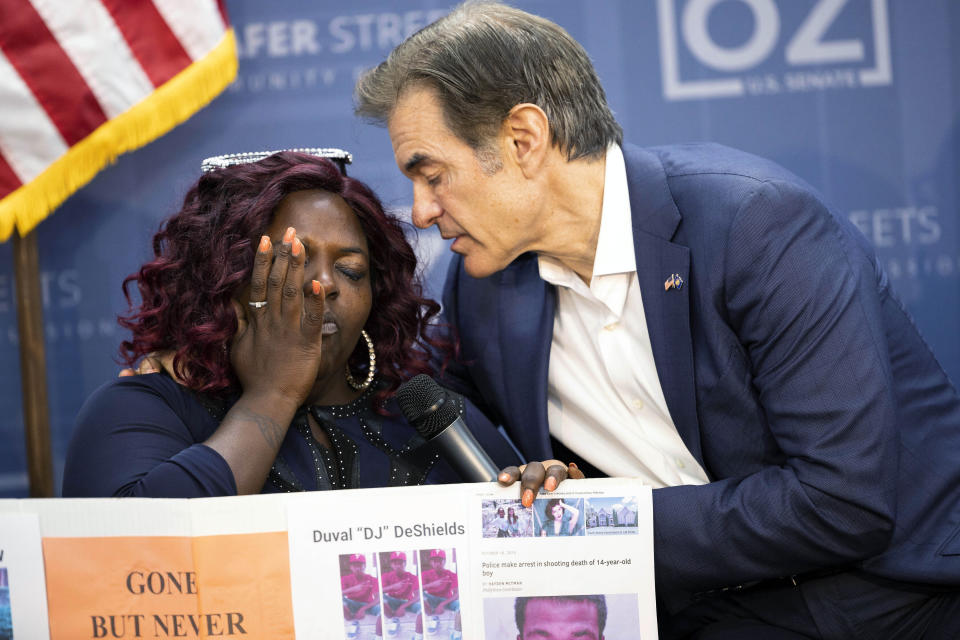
615	240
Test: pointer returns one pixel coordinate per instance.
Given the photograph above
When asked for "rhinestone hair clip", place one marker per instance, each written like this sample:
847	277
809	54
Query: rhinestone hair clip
339	156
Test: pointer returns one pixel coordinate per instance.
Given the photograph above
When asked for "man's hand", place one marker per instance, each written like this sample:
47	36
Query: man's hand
536	475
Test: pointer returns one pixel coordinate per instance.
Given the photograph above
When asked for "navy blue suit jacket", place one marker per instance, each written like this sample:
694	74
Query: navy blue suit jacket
830	433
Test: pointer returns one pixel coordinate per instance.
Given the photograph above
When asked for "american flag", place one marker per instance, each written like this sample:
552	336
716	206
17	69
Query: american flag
673	282
82	81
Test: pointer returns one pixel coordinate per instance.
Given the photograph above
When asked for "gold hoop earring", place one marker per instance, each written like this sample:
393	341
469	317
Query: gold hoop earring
371	369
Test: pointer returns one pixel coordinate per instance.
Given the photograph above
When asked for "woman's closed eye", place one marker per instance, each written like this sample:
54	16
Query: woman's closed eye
353	272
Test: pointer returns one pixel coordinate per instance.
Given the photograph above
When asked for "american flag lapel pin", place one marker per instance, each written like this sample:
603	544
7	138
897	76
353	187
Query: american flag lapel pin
673	282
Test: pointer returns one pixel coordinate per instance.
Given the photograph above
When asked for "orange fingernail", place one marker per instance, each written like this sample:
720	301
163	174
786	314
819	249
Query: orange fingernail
316	288
504	477
297	247
573	465
264	244
289	234
527	498
550	483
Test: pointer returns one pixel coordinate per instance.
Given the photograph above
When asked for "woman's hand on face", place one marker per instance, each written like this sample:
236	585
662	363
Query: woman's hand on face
536	475
276	351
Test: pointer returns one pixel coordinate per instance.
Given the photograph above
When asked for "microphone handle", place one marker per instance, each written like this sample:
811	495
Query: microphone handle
464	453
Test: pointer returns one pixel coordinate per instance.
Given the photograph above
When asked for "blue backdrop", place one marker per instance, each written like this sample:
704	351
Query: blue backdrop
860	97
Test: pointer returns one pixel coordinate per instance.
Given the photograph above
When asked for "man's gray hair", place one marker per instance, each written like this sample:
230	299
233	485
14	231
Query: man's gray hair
484	58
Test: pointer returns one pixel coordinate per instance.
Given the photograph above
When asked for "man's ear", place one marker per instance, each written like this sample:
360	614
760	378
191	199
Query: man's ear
526	132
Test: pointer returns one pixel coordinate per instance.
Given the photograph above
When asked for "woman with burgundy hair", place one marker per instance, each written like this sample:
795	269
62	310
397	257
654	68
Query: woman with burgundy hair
286	302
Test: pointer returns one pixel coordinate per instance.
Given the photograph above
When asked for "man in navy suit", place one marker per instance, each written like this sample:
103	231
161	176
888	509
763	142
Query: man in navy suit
691	315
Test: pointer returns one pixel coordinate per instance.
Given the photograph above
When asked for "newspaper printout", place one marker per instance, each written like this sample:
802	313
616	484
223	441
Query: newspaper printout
450	561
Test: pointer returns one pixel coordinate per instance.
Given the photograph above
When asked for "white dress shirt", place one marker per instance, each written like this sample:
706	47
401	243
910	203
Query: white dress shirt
604	397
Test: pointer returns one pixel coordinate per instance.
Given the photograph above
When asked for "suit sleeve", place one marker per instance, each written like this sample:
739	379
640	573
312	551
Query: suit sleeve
129	440
804	303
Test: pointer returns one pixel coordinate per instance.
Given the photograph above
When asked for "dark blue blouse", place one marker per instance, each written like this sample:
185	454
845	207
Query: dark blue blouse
142	435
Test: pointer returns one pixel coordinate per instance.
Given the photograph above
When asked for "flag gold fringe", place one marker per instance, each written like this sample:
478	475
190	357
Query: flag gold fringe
169	105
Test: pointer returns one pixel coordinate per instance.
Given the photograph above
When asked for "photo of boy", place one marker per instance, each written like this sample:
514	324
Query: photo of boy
400	592
361	596
441	594
562	617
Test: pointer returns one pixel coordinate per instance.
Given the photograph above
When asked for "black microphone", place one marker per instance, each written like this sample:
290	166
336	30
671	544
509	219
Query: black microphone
435	413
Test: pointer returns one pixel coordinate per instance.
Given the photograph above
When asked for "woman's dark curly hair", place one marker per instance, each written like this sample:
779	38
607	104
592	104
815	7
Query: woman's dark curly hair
204	258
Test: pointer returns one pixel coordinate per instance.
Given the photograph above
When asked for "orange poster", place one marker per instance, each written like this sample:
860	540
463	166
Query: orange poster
223	586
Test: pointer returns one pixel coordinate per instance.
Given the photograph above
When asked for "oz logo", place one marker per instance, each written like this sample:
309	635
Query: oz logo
709	50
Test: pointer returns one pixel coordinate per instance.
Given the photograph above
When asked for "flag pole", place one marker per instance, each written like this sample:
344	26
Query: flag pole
33	365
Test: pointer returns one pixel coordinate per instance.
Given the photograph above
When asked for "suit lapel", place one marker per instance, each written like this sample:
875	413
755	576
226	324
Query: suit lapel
526	330
655	220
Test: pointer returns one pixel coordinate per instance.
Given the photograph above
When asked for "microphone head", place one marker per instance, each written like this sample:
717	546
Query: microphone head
426	405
